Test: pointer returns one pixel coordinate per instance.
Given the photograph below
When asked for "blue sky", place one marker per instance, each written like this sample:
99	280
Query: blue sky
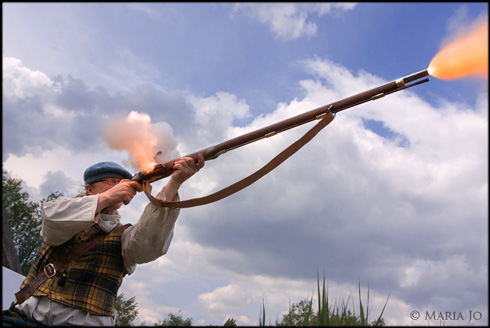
394	193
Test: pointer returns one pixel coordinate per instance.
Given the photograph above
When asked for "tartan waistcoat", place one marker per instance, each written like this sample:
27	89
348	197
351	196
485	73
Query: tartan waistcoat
91	281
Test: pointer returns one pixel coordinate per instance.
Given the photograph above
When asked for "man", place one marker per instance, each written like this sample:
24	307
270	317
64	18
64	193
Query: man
83	293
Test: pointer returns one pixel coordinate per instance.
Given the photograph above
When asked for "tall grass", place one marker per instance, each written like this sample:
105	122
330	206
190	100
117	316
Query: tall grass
262	315
336	314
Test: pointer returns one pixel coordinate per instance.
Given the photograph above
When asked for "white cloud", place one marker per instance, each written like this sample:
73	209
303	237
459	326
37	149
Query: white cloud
359	202
290	21
352	203
461	24
221	298
215	114
19	82
145	9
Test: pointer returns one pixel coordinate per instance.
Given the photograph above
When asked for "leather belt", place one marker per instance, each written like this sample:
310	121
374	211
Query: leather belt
49	271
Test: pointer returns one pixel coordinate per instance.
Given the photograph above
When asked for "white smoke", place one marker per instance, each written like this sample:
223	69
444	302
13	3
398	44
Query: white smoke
144	141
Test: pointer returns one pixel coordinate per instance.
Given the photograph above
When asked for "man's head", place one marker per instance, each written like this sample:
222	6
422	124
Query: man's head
108	173
104	170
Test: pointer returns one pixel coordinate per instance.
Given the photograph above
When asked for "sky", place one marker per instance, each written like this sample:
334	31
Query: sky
392	196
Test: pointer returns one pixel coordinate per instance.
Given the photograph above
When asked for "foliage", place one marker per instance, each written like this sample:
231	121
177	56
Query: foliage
24	220
127	310
175	321
300	314
328	314
230	322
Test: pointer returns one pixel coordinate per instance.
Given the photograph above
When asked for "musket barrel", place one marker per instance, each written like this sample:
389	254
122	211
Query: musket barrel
415	76
164	170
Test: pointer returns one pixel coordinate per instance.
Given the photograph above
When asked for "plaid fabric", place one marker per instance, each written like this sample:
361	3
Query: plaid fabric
89	283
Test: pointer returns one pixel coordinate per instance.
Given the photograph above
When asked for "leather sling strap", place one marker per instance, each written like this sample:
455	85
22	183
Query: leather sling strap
50	269
275	162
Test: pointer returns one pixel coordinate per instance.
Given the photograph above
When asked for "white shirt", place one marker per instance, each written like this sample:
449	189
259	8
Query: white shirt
143	242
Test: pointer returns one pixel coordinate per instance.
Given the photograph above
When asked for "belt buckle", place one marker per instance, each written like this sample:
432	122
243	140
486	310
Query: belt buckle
49	270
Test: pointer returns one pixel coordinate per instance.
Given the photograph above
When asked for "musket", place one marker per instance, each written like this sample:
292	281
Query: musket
161	171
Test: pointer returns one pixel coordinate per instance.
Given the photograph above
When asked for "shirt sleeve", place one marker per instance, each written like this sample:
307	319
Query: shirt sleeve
64	217
150	238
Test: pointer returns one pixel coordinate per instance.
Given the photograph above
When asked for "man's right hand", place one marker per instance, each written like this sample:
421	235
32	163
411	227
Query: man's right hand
122	193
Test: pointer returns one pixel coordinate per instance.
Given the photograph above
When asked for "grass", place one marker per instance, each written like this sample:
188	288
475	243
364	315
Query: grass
328	314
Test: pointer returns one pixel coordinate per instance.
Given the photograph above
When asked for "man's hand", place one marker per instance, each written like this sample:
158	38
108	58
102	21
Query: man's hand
112	199
184	167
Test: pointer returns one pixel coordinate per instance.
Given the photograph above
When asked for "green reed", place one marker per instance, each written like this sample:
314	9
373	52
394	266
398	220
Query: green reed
328	314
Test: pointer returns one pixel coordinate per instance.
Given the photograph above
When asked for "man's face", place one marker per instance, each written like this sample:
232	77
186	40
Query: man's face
101	185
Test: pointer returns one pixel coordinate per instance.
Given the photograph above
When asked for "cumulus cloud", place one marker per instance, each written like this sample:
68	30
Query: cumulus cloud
355	203
145	9
20	82
215	114
59	182
42	112
67	113
290	21
461	24
230	296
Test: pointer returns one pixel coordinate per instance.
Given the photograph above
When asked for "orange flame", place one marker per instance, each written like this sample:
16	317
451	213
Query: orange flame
135	135
466	56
